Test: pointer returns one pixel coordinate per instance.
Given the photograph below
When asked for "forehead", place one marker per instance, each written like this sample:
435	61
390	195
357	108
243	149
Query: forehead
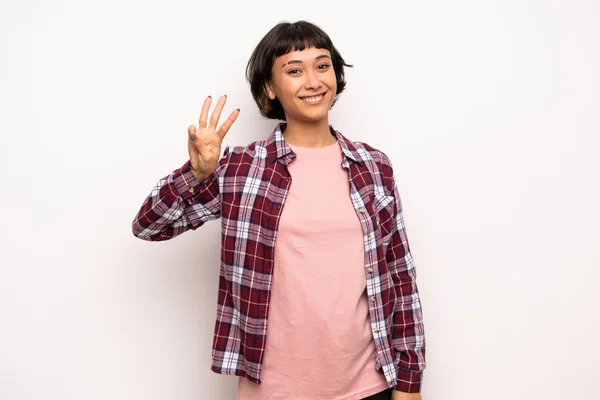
307	55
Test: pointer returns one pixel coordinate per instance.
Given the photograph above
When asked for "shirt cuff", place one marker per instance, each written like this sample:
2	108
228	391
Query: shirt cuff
409	381
186	182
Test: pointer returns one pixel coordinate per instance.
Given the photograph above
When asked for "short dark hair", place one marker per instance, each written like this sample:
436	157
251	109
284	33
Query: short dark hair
281	39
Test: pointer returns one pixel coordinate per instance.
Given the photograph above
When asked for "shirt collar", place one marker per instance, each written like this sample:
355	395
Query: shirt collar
278	148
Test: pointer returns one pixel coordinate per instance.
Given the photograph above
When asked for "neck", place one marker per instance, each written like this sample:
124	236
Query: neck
308	133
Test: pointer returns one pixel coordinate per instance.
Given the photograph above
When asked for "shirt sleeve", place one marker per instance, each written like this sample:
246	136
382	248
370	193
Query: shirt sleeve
178	203
408	336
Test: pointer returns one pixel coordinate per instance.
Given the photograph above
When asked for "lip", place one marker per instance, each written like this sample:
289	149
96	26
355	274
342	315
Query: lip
314	95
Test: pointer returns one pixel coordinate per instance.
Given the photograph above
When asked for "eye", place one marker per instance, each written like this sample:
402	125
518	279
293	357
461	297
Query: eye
293	71
323	66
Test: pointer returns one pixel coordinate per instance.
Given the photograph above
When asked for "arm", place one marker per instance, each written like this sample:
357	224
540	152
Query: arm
179	202
397	395
189	196
408	336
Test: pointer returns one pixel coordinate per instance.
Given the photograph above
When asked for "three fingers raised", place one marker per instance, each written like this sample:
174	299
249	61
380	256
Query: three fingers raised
214	119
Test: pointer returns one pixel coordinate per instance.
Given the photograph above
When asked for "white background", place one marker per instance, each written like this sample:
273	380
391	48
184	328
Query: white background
488	109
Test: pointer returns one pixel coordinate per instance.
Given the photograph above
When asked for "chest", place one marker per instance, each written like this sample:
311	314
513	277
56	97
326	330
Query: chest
255	199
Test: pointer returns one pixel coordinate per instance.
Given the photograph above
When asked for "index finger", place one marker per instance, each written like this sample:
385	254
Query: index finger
204	112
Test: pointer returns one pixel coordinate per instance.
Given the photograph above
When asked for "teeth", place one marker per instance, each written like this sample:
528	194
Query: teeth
313	99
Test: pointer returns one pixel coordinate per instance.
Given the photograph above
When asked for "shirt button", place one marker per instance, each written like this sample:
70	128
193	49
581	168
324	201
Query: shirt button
376	330
370	270
362	211
370	236
373	298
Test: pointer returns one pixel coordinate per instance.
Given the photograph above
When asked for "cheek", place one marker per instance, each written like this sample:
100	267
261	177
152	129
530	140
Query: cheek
289	90
332	82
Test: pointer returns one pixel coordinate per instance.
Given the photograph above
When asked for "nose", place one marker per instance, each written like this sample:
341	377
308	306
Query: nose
312	81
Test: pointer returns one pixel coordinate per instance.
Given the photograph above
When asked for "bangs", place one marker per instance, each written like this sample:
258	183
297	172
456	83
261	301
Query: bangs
299	37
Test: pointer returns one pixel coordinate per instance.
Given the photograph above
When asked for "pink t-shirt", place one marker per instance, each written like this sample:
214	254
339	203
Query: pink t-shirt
319	342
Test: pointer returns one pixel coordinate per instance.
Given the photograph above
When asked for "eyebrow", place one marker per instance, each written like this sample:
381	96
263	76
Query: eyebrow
300	62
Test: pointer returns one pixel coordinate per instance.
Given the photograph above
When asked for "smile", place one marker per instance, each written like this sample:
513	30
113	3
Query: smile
313	99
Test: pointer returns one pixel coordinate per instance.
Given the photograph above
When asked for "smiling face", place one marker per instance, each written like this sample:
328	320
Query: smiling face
304	82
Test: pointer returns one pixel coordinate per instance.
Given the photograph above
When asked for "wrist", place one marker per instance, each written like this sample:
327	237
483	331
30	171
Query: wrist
398	395
200	175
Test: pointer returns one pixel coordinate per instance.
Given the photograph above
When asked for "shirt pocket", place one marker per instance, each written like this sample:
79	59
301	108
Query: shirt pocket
383	209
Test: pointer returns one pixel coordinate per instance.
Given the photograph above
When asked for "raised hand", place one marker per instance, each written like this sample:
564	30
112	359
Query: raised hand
204	142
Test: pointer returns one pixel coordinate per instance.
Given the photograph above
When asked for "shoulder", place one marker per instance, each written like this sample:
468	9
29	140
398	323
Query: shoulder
370	155
377	155
251	152
377	162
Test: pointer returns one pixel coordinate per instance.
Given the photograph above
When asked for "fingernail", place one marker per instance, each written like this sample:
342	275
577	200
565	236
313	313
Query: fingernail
209	97
225	95
238	110
193	137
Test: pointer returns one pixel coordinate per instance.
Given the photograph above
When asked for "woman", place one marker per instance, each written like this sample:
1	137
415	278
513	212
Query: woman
313	238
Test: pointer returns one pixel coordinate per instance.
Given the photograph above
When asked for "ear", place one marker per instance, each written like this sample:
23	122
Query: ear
269	90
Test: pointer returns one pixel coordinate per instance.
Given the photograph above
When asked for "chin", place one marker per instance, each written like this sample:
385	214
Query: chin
315	117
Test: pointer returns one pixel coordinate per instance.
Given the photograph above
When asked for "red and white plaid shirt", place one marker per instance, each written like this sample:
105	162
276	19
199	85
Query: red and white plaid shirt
247	191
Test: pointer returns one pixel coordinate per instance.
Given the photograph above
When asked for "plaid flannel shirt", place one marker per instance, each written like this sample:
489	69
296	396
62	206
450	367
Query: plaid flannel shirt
247	191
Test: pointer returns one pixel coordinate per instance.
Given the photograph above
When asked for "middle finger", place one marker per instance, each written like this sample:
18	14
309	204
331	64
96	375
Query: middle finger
214	118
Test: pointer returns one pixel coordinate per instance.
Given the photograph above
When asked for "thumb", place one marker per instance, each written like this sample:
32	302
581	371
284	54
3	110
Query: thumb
192	133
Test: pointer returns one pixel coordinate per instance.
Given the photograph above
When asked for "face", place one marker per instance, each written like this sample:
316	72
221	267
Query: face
304	82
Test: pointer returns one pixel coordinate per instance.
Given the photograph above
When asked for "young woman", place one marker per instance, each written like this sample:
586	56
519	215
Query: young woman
317	290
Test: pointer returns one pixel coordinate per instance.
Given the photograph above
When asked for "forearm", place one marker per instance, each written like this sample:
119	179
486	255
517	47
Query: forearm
408	337
177	203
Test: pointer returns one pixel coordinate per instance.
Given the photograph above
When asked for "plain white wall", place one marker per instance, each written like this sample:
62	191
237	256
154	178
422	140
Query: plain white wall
488	109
